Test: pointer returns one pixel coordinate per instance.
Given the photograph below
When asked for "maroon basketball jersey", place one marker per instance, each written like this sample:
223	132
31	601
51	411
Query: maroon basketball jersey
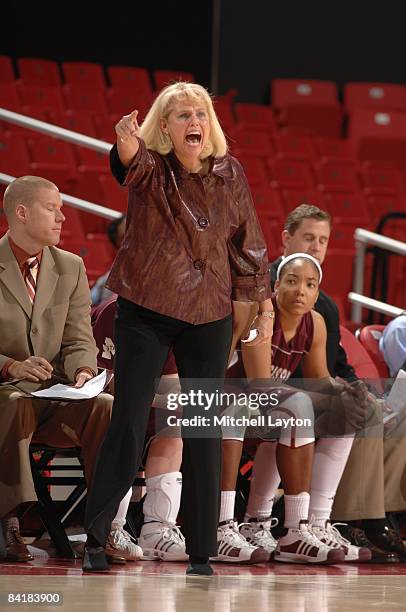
286	356
103	317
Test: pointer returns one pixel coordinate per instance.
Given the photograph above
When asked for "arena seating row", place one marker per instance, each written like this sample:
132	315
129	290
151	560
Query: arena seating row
284	166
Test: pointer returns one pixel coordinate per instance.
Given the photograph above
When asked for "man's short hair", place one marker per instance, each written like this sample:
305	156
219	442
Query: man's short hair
305	211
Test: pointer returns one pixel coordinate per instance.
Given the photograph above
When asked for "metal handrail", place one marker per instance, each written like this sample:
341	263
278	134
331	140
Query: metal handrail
362	239
97	209
53	130
376	305
69	136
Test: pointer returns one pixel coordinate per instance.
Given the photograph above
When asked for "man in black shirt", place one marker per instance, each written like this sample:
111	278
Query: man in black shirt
364	492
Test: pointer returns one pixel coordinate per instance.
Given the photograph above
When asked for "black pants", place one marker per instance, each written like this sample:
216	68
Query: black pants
143	339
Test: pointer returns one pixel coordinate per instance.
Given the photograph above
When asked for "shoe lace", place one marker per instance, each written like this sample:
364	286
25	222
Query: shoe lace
122	538
263	532
172	532
13	534
231	534
309	535
338	535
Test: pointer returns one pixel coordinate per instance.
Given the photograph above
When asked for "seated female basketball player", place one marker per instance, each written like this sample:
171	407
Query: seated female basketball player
309	474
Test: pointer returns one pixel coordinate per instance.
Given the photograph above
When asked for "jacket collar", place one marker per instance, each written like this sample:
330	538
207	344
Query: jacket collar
220	166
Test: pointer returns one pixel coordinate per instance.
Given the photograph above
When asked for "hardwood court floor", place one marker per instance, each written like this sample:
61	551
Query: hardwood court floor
147	586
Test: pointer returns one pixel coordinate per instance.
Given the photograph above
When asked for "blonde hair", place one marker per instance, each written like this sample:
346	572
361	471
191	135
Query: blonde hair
22	191
152	134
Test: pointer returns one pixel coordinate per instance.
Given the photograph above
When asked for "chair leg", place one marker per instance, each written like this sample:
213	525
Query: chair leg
52	523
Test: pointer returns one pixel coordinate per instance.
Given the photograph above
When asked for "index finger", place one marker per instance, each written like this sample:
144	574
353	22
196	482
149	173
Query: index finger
134	115
45	364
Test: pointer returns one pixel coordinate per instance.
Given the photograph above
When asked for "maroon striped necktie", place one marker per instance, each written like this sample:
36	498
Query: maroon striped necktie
30	276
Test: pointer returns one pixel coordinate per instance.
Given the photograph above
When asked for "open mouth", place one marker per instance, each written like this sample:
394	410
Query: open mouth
193	138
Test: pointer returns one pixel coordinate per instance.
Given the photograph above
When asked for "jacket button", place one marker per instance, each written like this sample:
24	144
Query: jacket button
34	330
198	264
203	222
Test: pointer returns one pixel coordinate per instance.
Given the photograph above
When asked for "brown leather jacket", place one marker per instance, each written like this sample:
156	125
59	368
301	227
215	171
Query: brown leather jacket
192	242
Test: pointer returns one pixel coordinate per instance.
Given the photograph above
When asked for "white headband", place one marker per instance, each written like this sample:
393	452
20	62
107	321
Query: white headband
289	258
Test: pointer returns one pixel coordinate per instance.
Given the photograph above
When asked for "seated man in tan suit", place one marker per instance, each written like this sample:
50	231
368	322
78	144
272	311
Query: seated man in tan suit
45	336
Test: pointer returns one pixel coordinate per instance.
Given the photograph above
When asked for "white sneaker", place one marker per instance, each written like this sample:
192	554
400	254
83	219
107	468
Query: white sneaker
302	546
121	545
258	533
162	541
330	535
234	548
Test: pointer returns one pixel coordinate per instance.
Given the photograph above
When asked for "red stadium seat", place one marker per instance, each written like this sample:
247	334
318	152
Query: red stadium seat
39	71
46	98
6	69
268	203
162	78
369	337
85	98
308	104
335	150
224	111
293	146
252	142
96	256
126	77
359	358
347	208
293	198
255	116
334	176
338	272
381	179
105	127
122	101
342	237
115	197
77	121
9	98
92	161
14	156
254	168
291	174
378	135
378	96
272	234
72	226
53	159
85	74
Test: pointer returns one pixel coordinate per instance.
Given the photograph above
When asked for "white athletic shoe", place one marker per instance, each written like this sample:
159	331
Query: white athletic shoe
258	533
234	548
162	541
330	535
302	546
121	545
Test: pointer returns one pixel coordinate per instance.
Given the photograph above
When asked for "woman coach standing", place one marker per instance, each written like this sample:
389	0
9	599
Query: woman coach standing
192	244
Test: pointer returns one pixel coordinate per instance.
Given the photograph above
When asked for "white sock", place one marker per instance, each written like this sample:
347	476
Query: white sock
119	519
330	458
227	506
264	482
296	509
162	501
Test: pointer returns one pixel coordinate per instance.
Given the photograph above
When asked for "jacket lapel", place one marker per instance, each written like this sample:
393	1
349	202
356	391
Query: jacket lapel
12	278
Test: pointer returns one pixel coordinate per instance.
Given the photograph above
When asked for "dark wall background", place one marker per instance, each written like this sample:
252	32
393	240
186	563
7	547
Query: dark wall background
347	40
156	34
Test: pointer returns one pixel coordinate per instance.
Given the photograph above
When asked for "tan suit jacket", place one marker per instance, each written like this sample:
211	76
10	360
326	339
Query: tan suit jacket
58	326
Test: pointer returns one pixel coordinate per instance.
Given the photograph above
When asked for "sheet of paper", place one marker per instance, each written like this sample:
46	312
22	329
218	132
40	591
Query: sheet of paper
92	388
397	396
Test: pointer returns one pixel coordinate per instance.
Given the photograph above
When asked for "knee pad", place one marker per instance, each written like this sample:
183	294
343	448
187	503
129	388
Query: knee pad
297	415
